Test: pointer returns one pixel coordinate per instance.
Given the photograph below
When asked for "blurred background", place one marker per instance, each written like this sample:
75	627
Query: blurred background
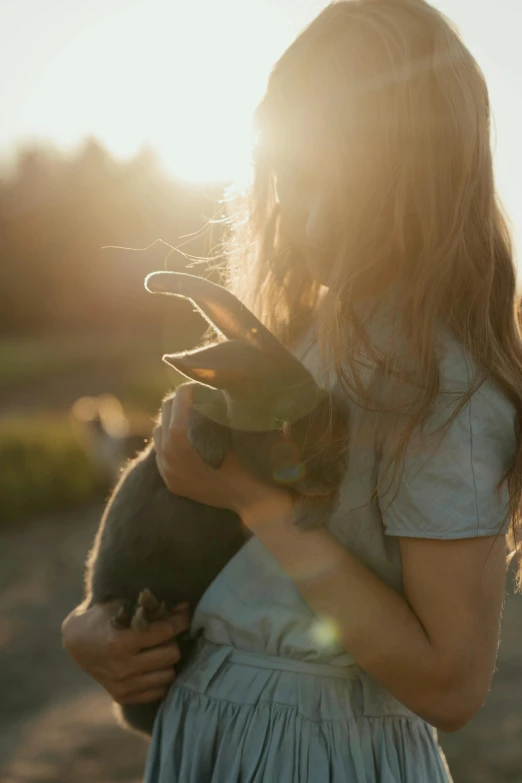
123	124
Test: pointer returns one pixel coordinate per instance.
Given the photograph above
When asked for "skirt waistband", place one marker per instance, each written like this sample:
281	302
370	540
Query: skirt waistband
311	696
263	661
209	657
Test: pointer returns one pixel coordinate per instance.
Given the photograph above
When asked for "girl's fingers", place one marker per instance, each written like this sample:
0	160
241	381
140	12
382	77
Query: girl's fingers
147	682
160	632
181	402
166	412
181	607
127	641
154	660
156	437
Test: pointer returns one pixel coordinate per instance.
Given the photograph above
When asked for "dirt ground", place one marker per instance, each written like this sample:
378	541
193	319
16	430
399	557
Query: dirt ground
56	726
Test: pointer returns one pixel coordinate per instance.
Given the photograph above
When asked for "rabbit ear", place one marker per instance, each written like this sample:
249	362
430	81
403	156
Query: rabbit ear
240	369
219	307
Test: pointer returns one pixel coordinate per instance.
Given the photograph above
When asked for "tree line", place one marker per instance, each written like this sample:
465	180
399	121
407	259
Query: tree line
57	213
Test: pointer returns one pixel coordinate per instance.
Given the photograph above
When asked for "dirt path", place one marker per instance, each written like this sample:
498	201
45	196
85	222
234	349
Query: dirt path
56	726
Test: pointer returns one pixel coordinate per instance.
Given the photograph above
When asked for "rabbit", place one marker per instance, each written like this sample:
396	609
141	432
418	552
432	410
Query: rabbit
250	393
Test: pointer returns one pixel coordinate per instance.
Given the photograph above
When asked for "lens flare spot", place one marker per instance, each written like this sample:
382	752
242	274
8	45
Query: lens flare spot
289	473
325	631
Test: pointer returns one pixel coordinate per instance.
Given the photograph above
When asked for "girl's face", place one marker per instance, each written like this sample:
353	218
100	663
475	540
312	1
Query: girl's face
304	193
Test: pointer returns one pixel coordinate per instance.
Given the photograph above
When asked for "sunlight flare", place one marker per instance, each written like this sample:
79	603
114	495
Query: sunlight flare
184	78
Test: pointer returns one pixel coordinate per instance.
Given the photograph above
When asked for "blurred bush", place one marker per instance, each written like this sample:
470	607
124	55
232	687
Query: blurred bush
44	467
79	234
147	385
25	360
75	318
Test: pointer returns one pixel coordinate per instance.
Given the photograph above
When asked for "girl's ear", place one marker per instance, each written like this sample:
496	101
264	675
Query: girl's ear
233	366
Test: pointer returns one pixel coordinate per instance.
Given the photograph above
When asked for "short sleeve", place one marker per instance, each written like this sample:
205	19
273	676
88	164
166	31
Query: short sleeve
449	490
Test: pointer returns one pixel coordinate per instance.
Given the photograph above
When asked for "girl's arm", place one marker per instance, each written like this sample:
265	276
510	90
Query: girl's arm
435	648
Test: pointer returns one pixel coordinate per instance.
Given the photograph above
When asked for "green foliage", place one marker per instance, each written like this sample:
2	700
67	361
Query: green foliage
26	360
44	467
148	384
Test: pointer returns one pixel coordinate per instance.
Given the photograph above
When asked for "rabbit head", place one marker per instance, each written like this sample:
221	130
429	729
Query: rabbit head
253	395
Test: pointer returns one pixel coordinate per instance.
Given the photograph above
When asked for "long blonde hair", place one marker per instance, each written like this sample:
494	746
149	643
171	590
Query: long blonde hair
388	92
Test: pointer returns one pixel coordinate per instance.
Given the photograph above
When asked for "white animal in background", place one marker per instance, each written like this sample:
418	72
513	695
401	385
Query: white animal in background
107	434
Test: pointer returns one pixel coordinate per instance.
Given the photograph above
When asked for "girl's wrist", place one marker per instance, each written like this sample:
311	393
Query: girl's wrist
261	504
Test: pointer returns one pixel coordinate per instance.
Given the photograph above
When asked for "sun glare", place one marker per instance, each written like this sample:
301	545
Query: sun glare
184	78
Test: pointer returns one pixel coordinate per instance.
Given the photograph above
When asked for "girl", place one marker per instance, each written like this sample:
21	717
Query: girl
376	249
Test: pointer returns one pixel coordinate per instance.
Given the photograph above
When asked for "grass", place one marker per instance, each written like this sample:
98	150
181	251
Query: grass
147	384
43	463
25	360
44	467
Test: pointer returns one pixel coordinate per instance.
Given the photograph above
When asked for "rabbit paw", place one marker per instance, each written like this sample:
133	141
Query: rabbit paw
147	610
122	619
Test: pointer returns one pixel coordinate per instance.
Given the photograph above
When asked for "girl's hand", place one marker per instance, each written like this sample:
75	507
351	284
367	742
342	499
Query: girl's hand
184	473
134	667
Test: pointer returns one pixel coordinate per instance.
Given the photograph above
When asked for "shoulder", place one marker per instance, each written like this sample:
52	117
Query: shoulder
454	464
490	410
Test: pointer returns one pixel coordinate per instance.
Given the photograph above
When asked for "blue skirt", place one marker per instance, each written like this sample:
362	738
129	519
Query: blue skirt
236	716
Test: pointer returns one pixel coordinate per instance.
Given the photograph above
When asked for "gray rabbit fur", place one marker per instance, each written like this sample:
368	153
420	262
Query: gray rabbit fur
244	390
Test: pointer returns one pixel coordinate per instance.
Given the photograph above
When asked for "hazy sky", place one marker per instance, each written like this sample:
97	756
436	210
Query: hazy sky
185	76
